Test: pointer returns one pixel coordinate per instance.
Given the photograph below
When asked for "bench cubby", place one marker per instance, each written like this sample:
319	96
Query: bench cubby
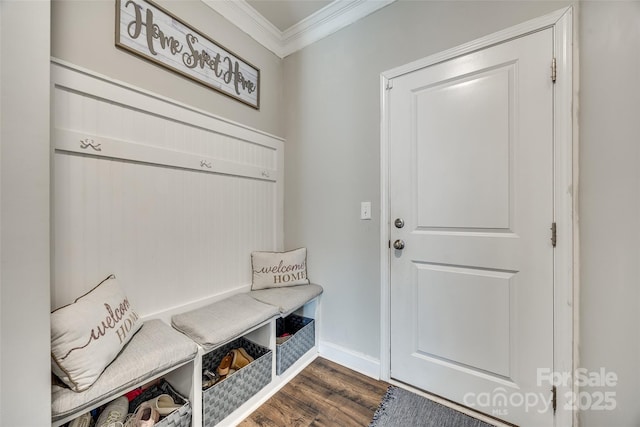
301	339
224	397
142	360
181	417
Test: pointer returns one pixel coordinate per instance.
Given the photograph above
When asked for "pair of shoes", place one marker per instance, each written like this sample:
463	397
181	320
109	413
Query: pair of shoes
114	414
164	404
84	420
144	416
225	365
148	413
240	358
236	359
222	377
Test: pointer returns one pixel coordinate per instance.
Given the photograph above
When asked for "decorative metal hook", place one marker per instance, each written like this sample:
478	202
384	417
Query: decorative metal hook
86	143
204	163
265	174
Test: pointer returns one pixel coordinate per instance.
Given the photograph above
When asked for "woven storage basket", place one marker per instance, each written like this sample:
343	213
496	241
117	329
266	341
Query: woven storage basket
178	418
221	399
303	338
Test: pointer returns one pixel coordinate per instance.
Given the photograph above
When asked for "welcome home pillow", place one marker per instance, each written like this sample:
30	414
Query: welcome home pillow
277	269
87	335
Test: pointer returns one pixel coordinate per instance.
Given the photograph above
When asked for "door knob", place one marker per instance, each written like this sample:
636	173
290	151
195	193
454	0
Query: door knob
399	222
398	244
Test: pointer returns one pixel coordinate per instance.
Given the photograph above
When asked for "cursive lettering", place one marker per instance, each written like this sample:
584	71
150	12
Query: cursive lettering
281	268
222	66
152	30
111	321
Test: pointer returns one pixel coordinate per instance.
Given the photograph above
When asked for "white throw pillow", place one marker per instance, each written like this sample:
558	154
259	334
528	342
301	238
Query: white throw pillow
277	269
87	335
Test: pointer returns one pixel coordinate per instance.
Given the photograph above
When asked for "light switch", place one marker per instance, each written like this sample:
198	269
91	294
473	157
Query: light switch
365	210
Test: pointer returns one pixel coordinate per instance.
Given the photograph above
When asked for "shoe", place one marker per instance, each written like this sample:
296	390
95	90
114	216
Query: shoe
209	378
145	415
114	413
164	404
225	365
83	420
282	338
240	358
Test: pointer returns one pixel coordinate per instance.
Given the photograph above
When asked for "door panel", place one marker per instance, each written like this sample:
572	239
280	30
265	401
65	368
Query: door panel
447	325
476	194
471	174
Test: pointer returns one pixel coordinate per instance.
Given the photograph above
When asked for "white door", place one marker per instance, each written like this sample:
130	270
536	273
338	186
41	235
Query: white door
471	177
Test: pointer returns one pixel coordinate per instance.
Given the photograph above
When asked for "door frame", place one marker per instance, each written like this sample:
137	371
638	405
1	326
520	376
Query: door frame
566	268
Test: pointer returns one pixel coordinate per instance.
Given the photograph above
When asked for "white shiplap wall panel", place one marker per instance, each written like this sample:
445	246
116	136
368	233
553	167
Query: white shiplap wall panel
172	233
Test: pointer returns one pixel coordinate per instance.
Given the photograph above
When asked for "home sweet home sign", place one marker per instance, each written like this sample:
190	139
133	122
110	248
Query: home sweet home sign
147	30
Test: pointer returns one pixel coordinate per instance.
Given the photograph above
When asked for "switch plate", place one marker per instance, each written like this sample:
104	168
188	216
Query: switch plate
365	210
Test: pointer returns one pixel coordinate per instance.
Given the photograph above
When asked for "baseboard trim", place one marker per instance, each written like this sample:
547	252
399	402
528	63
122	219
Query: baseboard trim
358	362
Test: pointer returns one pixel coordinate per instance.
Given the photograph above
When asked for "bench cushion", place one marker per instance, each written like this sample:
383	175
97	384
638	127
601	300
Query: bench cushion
223	321
287	299
154	349
87	335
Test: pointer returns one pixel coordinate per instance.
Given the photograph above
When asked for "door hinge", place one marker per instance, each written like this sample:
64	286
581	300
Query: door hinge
554	234
554	70
389	84
554	398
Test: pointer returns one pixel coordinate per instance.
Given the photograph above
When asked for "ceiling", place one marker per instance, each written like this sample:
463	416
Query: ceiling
285	26
284	14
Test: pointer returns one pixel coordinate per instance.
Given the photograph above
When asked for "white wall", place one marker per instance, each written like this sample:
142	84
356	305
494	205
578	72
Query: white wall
25	388
163	219
333	142
610	203
83	33
332	163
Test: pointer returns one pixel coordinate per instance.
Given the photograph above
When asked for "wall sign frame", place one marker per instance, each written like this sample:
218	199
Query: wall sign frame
147	30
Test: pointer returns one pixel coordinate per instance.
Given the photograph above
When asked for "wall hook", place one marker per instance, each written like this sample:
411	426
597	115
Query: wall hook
86	143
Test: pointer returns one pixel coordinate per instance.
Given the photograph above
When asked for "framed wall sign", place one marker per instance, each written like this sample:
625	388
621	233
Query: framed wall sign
148	30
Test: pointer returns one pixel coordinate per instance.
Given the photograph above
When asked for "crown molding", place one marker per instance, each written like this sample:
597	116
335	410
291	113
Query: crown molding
245	17
326	21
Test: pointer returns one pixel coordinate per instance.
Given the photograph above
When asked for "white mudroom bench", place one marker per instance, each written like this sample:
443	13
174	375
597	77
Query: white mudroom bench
159	349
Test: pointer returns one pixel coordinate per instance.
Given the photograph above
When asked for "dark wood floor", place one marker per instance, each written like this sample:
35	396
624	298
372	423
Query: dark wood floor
323	394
